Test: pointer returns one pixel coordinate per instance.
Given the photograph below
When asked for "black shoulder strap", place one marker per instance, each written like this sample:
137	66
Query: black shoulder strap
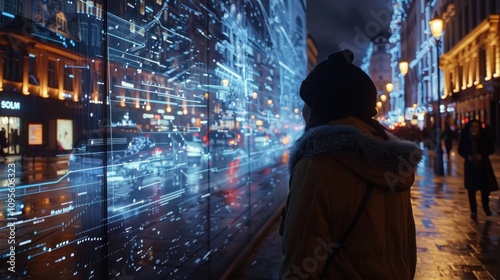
340	243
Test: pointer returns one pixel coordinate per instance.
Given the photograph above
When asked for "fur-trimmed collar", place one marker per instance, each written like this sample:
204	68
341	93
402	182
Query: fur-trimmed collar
349	141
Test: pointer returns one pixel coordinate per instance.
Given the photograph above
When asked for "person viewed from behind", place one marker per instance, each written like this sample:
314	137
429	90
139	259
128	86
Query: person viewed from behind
346	163
475	146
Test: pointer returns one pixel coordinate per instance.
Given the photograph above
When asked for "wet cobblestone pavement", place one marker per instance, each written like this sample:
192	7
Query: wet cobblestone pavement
450	244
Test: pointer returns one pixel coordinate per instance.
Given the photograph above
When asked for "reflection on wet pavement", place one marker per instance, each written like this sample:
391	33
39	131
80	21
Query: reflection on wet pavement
450	244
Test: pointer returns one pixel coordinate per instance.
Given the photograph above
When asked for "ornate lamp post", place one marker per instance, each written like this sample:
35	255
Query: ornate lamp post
436	25
403	68
389	87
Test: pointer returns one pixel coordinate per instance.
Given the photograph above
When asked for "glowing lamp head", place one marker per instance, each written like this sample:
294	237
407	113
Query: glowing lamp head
389	87
403	67
437	25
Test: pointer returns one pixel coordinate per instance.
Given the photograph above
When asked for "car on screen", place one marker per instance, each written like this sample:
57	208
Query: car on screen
98	147
261	140
195	148
222	139
129	155
173	146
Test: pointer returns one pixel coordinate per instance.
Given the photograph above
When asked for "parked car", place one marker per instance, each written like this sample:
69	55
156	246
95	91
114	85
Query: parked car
98	147
261	140
173	145
141	158
129	155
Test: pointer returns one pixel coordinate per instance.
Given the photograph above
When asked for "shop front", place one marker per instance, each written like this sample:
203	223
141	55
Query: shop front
475	107
481	103
10	124
38	126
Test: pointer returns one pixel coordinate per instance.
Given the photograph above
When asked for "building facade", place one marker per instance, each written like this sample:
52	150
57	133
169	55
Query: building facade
465	60
471	63
44	65
381	73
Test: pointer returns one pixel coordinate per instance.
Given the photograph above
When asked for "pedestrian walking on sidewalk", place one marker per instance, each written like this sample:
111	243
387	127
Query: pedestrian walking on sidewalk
348	214
448	136
475	146
3	143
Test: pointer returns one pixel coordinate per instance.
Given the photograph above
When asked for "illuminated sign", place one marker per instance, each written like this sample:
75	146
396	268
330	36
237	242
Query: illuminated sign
64	134
35	132
11	105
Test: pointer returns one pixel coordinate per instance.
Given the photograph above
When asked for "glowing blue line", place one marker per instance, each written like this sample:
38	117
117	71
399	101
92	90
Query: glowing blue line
47	38
8	14
282	64
167	88
123	39
149	185
128	205
145	100
136	56
150	91
176	76
38	184
228	70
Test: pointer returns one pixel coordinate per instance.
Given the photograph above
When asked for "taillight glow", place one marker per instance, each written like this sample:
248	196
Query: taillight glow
156	152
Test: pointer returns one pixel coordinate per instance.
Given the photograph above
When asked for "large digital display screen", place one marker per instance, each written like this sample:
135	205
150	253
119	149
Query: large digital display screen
149	139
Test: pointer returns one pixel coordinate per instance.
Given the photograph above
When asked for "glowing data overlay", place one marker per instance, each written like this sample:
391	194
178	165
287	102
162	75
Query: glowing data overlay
147	139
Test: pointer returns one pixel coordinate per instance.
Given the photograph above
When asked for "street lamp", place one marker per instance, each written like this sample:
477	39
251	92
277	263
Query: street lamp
389	87
436	25
403	67
383	98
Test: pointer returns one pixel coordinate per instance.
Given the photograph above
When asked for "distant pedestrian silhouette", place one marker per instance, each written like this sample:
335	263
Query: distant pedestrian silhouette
448	136
475	146
3	143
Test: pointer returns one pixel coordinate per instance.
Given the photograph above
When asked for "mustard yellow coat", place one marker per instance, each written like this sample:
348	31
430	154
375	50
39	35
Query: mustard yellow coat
331	167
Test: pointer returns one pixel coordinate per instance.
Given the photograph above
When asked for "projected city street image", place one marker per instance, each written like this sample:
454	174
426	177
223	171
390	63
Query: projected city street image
153	135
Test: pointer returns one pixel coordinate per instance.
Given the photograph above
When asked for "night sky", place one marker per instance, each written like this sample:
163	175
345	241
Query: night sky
339	24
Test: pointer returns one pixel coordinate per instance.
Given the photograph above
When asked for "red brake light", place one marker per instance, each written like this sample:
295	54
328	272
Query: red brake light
156	151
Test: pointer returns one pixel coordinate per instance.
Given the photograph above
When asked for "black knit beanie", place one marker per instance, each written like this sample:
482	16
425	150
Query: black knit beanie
337	88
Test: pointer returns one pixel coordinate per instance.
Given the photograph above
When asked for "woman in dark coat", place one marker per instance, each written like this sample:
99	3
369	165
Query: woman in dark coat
475	146
343	156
